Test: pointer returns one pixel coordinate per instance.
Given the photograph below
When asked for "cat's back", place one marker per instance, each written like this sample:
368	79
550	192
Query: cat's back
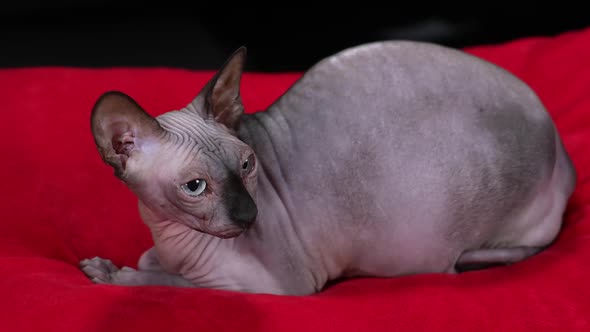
416	76
405	97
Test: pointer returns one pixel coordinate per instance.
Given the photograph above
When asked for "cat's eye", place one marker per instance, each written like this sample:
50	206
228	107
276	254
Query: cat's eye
248	164
194	187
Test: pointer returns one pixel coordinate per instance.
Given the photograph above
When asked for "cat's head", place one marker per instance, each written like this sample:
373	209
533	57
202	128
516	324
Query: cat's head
185	166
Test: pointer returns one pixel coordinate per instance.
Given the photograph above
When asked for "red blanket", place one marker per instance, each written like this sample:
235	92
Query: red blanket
62	204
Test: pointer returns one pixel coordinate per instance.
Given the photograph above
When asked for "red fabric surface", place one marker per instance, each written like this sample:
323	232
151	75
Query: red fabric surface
60	204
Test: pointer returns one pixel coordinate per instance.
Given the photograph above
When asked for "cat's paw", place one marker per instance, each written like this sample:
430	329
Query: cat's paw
103	271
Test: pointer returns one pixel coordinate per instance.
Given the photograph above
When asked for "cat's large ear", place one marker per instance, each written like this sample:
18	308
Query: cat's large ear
220	98
121	129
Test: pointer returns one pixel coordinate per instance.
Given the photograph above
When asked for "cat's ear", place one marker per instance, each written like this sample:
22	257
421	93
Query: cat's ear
220	98
121	129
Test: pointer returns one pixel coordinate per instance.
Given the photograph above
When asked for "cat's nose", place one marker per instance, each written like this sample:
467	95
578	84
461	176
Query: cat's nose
240	206
244	212
245	217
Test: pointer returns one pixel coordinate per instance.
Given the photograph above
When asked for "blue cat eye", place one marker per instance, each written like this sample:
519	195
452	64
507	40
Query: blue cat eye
194	187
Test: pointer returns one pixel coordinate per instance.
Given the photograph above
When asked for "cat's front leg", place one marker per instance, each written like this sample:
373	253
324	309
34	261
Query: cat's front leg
103	271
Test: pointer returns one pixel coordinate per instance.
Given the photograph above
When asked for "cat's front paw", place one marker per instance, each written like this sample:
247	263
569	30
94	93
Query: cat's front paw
102	271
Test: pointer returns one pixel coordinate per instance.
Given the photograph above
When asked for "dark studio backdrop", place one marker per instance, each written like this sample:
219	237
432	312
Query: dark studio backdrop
280	36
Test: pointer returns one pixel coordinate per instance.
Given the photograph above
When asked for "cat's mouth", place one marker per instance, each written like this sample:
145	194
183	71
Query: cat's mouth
235	231
227	230
227	233
230	235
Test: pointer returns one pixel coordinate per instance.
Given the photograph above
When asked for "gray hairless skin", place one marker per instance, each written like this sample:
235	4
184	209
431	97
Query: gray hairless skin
386	159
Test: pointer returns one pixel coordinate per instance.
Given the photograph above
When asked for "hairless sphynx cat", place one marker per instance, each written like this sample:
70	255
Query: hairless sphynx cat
386	159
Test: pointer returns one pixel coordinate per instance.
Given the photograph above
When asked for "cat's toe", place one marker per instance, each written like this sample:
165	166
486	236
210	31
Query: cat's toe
99	270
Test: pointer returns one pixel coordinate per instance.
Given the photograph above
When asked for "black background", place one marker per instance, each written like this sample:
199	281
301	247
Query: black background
280	36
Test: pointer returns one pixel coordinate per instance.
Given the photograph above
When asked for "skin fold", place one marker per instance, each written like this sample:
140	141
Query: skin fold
386	159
